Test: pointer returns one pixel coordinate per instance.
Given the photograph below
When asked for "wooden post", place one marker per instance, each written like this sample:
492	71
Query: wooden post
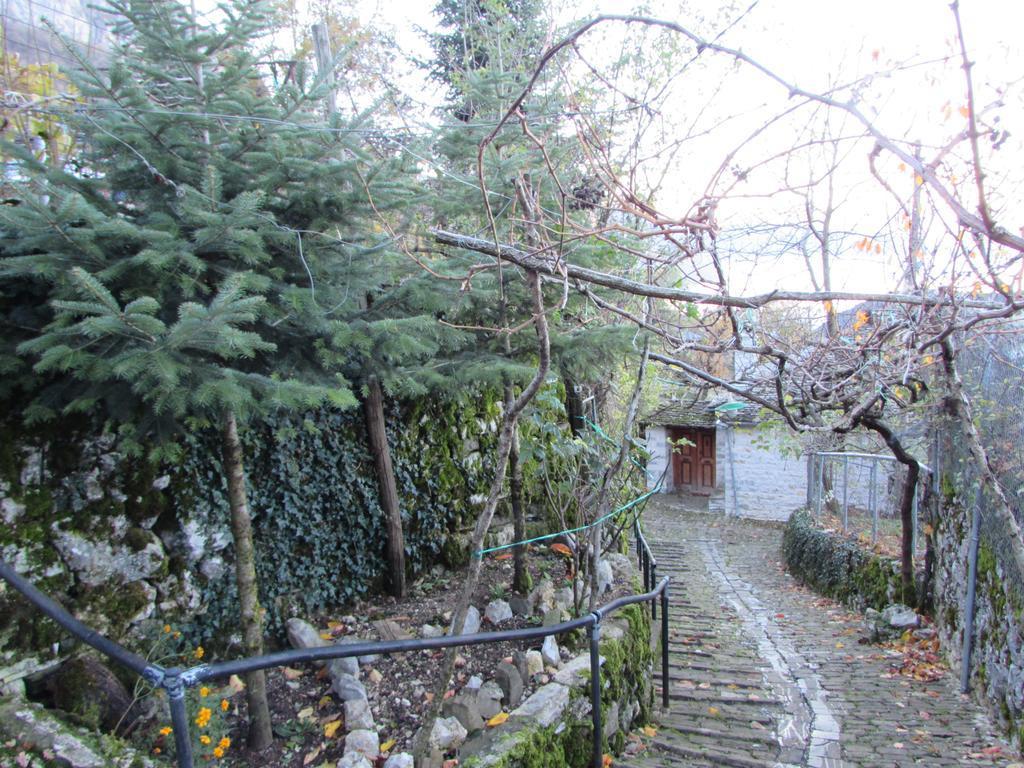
373	408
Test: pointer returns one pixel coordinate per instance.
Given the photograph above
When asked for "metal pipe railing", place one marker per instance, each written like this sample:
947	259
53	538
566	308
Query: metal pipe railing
175	681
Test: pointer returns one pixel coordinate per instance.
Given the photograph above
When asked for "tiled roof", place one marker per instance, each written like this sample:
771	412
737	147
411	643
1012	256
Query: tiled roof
686	413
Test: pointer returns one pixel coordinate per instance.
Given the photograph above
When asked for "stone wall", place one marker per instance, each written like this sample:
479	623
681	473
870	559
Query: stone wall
553	727
658	457
757	476
997	659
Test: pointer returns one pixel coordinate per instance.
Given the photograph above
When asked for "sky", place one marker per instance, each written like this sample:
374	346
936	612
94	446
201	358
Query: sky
813	45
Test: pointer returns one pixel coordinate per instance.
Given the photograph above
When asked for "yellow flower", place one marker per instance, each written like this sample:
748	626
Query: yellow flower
204	740
157	750
204	691
177	635
166	731
218	752
224	743
200	652
224	704
203	719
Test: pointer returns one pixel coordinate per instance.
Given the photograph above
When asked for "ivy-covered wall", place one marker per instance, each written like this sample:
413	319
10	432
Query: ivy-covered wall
120	540
837	567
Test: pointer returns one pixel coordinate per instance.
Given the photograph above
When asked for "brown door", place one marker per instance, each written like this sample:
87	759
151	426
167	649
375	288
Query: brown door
693	464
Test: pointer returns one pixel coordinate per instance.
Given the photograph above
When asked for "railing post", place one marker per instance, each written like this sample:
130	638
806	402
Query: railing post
654	581
595	689
664	646
175	688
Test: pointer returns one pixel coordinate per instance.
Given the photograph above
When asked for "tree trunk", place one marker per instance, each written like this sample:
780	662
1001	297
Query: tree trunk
260	733
520	574
906	505
373	407
483	523
573	407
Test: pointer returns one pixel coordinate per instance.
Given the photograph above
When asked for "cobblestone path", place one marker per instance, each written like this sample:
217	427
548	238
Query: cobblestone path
765	673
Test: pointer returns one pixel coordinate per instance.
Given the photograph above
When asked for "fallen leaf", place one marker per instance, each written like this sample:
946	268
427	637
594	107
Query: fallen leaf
561	549
497	720
606	760
324	701
235	684
305	714
387	745
291	673
503	556
713	711
649	731
311	756
331	728
450	763
326	636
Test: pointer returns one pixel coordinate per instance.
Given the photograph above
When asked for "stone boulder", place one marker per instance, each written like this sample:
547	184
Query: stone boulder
302	634
546	706
363	742
88	689
447	734
498	611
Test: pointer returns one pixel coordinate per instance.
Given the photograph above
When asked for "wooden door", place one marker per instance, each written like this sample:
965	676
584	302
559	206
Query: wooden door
693	464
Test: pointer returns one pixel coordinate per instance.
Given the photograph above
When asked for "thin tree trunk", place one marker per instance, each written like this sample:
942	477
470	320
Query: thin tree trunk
483	523
908	492
573	407
260	732
373	408
520	575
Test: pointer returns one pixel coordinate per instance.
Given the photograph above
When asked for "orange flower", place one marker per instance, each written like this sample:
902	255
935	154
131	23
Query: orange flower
204	740
167	629
166	731
224	705
204	691
199	652
224	743
218	752
203	719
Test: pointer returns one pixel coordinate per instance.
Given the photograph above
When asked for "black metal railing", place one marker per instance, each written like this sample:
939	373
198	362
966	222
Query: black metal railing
175	680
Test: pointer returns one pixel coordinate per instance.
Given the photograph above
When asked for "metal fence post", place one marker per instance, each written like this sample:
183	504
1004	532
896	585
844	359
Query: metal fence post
821	484
654	581
595	689
664	646
873	501
913	517
846	493
175	688
972	579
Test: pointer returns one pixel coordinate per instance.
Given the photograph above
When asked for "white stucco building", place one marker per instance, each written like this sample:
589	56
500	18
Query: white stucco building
742	466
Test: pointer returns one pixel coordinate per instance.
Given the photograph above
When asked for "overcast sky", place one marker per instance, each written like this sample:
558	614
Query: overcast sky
814	44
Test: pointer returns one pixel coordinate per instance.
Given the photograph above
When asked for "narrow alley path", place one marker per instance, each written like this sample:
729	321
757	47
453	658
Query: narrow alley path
765	673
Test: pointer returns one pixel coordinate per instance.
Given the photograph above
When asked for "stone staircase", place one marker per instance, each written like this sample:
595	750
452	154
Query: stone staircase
722	711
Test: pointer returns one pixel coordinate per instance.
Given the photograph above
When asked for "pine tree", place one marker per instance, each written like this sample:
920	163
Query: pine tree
203	260
485	54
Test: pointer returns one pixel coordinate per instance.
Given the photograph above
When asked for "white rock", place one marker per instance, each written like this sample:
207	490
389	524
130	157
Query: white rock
474	683
448	733
498	611
472	623
358	715
549	651
363	742
534	663
399	760
546	706
622	566
576	672
354	760
431	630
347	687
605	577
302	634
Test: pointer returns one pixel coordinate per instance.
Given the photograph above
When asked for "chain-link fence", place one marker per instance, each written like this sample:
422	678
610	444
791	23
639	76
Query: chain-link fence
859	494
